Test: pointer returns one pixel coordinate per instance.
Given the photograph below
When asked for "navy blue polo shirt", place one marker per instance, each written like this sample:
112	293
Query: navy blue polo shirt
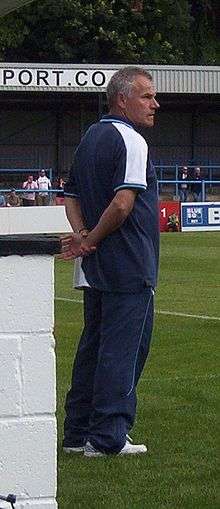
112	155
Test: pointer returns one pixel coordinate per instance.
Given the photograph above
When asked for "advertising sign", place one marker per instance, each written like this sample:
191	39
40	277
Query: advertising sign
52	78
168	209
201	216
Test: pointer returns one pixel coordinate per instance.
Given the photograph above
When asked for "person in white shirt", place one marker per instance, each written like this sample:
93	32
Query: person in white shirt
44	184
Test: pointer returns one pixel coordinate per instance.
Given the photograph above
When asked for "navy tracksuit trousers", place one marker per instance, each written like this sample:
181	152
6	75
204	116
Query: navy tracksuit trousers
113	348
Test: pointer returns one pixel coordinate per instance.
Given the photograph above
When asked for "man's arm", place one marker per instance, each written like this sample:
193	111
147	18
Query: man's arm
84	243
74	214
71	244
112	218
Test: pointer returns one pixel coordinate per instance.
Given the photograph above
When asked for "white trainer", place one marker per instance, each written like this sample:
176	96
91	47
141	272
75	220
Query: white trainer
128	448
72	450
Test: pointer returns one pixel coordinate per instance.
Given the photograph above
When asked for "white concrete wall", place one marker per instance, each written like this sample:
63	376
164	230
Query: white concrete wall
16	220
28	435
27	381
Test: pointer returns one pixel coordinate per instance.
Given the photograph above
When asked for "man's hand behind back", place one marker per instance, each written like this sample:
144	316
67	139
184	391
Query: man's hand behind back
74	245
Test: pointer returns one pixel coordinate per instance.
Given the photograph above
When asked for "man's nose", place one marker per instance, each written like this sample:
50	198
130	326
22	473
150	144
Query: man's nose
156	104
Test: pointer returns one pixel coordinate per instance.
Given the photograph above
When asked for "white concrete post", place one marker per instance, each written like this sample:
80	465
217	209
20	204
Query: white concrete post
28	434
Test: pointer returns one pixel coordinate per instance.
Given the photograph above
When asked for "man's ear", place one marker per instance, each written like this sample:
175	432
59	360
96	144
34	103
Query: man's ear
121	100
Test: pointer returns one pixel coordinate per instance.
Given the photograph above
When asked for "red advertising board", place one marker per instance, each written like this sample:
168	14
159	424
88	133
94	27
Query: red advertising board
167	208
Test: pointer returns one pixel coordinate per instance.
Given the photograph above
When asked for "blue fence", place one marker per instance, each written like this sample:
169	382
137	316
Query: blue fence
35	191
177	184
169	174
174	169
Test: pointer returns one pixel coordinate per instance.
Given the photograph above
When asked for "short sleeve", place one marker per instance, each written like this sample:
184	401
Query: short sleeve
70	187
131	163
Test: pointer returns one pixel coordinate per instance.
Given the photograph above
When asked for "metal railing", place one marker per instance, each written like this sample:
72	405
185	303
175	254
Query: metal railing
49	192
173	171
177	185
58	191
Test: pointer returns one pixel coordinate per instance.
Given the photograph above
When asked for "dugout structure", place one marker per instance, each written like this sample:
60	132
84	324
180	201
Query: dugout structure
45	109
7	6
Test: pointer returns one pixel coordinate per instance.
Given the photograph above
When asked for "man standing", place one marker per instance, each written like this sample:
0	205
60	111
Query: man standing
111	203
44	185
196	186
184	186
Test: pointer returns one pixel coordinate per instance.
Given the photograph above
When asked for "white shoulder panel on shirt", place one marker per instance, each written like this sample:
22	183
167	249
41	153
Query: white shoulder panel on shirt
137	153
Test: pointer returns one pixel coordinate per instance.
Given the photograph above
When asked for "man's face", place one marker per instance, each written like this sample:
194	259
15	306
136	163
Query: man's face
140	106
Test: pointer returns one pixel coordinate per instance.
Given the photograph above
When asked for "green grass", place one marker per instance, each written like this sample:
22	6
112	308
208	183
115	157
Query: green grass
178	394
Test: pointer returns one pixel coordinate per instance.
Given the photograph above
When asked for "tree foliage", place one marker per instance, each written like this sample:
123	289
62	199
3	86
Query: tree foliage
110	31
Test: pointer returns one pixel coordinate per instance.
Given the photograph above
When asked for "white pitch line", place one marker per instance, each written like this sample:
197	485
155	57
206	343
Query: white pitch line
160	312
187	315
69	300
208	376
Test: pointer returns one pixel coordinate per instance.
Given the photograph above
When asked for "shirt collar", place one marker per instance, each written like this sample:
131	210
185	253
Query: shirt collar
117	119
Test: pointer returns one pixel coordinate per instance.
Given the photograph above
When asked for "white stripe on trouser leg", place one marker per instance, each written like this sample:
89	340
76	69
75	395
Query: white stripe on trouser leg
139	343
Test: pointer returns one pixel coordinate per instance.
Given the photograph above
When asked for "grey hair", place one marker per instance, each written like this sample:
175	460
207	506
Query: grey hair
122	81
